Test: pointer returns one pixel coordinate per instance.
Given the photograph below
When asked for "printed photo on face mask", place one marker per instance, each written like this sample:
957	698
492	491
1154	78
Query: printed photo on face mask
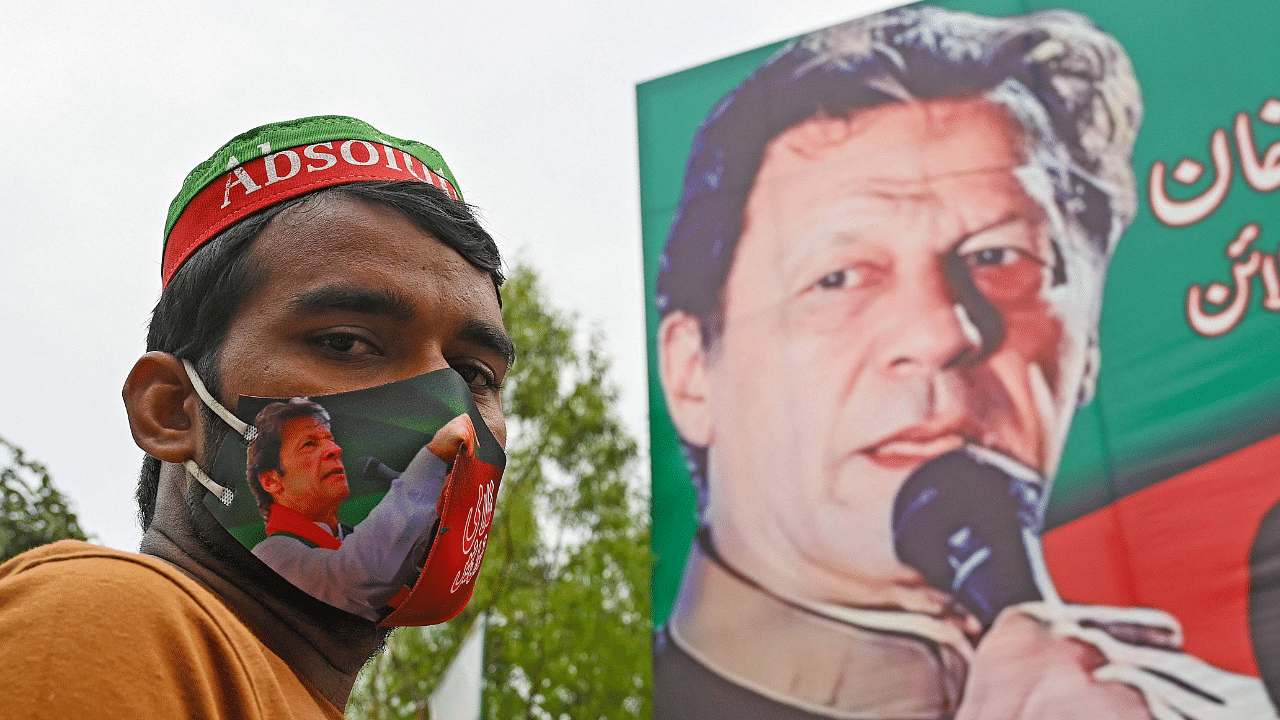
341	496
296	472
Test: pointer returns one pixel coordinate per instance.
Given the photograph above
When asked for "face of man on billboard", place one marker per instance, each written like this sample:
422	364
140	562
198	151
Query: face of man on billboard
311	478
856	341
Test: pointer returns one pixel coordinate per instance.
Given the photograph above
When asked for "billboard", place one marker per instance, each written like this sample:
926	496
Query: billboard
962	325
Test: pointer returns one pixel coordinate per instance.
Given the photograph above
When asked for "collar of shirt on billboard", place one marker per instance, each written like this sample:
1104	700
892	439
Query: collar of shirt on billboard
829	660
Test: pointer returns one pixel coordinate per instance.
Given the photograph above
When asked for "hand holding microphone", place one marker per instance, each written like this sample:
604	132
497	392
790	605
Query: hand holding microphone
969	522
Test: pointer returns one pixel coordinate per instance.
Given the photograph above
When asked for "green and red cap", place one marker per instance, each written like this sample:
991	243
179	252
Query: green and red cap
275	162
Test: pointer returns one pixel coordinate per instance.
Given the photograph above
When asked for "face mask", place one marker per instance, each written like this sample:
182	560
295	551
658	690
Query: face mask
340	496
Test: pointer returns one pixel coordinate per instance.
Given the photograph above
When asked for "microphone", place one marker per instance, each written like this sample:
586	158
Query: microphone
969	522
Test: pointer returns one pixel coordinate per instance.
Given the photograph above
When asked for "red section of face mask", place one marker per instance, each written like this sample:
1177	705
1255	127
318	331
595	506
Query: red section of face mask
449	574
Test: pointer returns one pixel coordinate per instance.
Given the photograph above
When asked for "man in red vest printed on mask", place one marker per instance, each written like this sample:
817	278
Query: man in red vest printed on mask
297	475
295	470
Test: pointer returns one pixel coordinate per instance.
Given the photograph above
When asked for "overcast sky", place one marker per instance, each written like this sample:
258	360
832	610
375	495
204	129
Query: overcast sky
104	108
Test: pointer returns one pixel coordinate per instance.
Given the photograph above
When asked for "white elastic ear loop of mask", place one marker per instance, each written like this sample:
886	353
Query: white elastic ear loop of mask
224	494
248	432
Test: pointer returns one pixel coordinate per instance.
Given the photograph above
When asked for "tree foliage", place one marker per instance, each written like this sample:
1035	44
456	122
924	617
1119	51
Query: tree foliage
34	511
565	580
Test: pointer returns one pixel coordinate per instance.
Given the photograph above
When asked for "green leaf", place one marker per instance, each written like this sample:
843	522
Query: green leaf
34	512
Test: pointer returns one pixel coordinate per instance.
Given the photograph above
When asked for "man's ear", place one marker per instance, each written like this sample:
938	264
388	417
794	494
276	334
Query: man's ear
271	481
164	410
682	365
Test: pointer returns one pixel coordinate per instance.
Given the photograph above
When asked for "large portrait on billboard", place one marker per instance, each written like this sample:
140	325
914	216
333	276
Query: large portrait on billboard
893	477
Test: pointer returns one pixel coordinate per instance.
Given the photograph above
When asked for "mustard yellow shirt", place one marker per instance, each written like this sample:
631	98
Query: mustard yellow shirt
90	632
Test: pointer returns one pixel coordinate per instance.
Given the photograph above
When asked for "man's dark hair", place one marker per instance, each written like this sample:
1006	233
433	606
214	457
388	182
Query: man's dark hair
196	308
1068	84
264	450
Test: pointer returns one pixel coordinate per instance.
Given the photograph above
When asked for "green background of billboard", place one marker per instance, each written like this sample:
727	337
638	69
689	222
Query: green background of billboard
1168	399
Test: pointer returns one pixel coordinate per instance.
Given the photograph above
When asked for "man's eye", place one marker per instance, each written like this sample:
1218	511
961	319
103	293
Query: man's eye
346	344
477	376
838	279
996	256
1006	275
993	256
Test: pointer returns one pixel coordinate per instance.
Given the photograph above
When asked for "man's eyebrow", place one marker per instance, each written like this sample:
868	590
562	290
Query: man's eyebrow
391	304
1010	218
489	336
387	303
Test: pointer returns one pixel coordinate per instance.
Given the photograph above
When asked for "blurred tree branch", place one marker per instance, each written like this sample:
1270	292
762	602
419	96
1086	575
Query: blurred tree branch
34	511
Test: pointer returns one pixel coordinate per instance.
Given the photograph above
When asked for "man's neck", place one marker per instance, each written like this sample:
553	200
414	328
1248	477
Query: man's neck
775	562
325	646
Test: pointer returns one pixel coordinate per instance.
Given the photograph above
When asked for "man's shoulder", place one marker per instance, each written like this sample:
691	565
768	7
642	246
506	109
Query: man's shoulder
84	557
93	630
280	547
91	576
86	598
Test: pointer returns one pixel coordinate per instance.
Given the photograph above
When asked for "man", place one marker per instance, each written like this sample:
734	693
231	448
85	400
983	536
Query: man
295	469
890	247
296	265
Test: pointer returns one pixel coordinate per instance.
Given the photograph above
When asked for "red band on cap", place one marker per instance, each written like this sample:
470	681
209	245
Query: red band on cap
263	182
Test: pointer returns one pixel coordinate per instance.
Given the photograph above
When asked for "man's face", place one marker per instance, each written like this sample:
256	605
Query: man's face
311	478
356	295
847	359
